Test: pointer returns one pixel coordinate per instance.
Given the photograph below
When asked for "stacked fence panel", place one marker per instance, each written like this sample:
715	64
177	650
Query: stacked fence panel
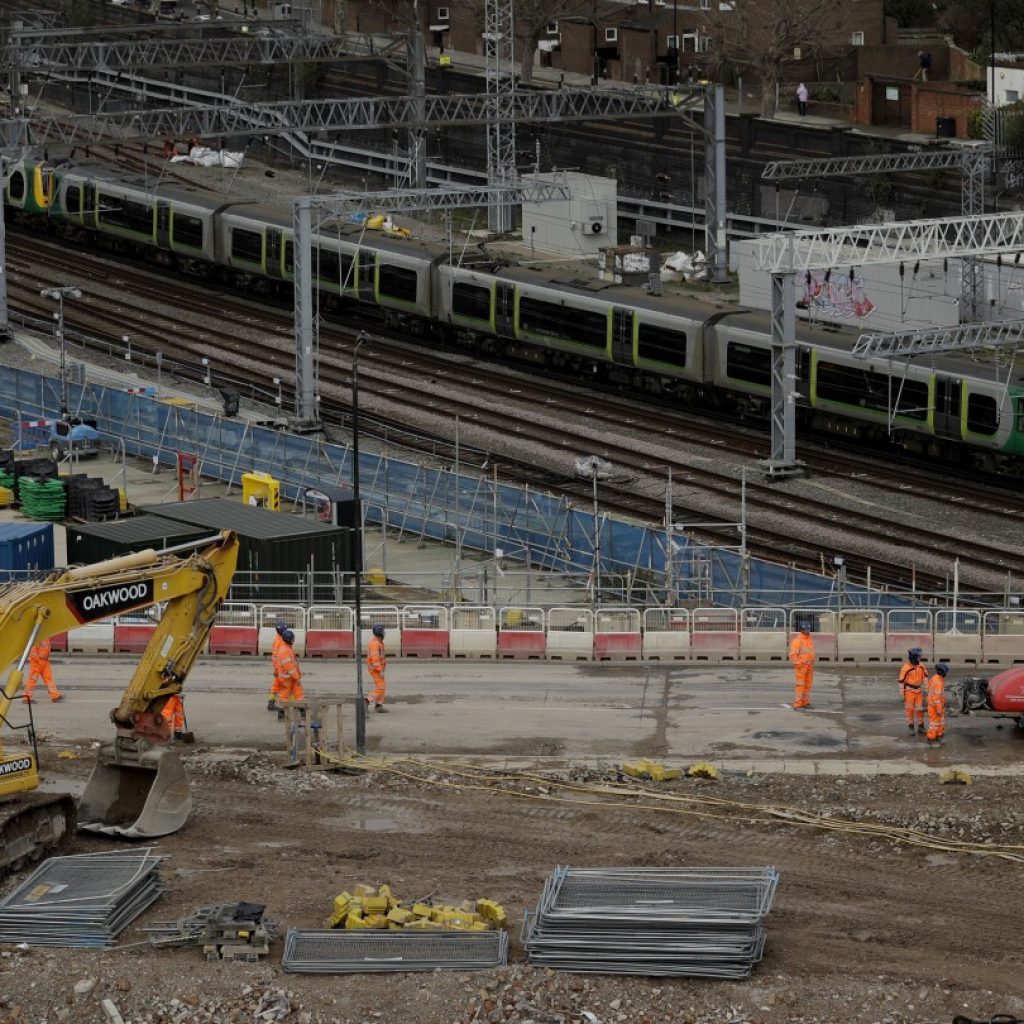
85	900
688	922
339	951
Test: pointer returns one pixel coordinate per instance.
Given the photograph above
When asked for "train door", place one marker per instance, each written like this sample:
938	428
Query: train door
163	225
89	216
366	278
504	308
947	407
273	254
622	337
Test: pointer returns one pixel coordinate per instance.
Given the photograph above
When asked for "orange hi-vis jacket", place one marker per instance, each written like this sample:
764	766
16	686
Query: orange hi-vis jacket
287	671
936	696
376	662
912	676
40	652
801	650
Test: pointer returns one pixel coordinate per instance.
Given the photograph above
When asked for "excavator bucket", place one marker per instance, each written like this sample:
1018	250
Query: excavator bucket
136	792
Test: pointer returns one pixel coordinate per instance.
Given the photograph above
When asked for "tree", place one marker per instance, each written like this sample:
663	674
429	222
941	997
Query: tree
762	36
969	23
530	18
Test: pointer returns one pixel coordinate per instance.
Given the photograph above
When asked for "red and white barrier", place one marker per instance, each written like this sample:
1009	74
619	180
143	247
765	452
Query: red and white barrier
236	631
521	634
715	634
330	632
424	631
617	634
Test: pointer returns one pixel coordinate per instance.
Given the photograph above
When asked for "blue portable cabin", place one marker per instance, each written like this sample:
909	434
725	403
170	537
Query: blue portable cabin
25	549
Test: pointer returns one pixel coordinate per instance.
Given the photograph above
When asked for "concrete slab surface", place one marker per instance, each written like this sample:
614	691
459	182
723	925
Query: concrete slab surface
734	716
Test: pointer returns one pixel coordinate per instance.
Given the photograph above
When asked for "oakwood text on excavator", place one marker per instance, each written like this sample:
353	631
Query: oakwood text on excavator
138	788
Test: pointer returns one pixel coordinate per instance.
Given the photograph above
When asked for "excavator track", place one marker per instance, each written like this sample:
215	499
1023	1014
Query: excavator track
33	826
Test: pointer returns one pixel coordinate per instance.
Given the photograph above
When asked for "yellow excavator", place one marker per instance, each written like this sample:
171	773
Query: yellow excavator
138	788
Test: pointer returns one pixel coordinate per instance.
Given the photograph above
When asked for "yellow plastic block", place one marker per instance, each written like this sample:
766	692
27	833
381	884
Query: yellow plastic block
422	909
957	776
355	921
376	921
376	904
647	769
490	910
400	917
703	770
365	890
385	891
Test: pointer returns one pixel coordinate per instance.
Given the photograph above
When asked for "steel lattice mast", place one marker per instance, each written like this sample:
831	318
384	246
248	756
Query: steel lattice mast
501	108
934	341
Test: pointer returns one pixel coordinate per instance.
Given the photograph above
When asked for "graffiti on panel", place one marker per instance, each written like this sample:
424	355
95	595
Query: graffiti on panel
836	294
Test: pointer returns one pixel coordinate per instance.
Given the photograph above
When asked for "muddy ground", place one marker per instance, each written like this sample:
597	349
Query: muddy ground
864	928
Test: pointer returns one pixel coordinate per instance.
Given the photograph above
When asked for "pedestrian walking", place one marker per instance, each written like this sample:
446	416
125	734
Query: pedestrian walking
911	682
377	663
801	99
39	668
924	65
288	677
801	654
275	652
937	705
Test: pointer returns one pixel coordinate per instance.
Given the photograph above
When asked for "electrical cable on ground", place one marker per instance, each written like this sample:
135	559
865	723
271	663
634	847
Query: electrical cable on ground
630	797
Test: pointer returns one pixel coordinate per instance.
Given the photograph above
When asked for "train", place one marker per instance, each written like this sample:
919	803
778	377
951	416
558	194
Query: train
699	351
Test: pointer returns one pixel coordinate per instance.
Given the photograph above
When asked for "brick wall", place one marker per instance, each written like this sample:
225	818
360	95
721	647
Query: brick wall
962	68
901	61
933	100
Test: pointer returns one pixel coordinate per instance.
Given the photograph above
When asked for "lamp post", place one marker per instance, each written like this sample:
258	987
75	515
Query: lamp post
59	294
361	339
597	469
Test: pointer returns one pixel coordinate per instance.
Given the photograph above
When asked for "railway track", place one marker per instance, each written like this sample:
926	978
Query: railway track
509	411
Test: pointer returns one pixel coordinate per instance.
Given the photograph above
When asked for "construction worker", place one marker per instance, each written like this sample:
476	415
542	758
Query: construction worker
801	654
377	663
937	705
174	715
912	680
39	667
288	677
275	653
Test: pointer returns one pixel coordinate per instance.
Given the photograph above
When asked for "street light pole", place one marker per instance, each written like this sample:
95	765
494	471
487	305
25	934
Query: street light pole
361	339
597	539
58	295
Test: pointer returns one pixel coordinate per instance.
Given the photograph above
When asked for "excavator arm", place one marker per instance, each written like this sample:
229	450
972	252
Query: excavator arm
123	796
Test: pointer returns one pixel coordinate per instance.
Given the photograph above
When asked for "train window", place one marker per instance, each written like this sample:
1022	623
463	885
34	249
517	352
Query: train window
187	230
118	212
982	414
247	245
850	386
397	282
754	365
1020	415
558	321
661	344
73	199
471	300
16	186
289	256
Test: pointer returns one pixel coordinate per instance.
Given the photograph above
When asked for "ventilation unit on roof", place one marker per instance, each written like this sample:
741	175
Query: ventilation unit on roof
595	227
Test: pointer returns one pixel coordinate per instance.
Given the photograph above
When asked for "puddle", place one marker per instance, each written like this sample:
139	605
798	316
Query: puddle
405	822
936	860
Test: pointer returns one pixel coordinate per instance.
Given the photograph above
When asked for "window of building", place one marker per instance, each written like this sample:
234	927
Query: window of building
1012	95
560	321
442	14
857	39
471	300
705	5
552	28
982	414
397	282
703	44
672	42
611	35
247	245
